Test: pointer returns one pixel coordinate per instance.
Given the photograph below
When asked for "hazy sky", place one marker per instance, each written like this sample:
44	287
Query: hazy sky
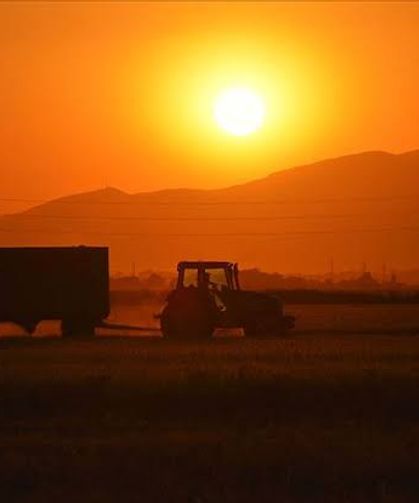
122	94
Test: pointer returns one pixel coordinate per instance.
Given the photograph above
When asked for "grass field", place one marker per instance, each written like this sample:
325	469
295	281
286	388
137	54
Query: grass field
310	417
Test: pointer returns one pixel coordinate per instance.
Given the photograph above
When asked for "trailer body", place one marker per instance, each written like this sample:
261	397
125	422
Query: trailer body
70	284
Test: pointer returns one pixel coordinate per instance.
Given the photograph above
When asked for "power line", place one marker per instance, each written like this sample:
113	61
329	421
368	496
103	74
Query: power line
218	203
144	218
227	234
182	219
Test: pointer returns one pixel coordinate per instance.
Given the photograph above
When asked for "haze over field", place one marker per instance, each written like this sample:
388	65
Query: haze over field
354	209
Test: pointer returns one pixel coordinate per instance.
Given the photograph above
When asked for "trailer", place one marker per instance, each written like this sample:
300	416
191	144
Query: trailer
69	284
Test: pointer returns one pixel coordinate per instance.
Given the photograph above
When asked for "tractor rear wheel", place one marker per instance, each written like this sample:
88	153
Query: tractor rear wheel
190	326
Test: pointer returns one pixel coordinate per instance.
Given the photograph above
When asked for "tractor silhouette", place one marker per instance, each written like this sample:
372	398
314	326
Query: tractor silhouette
208	296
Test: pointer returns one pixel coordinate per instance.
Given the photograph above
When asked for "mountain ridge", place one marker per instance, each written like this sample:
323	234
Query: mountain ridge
114	194
355	208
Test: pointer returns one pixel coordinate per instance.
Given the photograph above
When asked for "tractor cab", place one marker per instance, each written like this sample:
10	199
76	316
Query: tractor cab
211	276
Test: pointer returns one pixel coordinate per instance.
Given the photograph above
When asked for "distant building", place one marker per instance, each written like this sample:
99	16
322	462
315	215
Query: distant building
125	283
365	281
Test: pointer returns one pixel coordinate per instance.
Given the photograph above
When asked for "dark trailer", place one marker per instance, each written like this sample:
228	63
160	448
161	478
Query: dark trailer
70	284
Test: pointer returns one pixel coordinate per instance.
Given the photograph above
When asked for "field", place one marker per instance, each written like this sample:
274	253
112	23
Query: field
321	415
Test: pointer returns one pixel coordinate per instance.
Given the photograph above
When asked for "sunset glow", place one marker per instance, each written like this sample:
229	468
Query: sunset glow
144	95
239	111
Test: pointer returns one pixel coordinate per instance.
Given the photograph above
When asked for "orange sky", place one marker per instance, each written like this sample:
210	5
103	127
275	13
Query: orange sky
121	94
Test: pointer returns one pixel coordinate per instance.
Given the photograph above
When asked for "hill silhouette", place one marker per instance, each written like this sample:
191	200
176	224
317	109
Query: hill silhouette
354	209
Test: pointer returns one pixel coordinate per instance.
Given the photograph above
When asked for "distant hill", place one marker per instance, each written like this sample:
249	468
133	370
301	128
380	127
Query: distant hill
353	209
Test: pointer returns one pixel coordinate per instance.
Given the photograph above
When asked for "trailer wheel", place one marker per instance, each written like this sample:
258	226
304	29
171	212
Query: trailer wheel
77	328
28	325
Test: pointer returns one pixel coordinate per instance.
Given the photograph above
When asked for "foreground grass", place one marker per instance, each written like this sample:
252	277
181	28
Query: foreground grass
305	418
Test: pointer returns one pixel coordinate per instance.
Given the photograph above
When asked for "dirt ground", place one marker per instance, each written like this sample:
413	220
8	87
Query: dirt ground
310	417
379	319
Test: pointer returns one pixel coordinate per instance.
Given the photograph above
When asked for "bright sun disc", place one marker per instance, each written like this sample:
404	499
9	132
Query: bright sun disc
239	111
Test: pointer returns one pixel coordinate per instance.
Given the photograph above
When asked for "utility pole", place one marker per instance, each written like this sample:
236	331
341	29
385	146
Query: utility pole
332	270
384	278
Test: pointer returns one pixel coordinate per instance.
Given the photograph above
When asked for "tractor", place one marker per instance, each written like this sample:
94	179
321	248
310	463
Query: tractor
208	296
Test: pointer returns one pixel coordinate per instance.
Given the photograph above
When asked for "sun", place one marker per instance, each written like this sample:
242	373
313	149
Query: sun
239	111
